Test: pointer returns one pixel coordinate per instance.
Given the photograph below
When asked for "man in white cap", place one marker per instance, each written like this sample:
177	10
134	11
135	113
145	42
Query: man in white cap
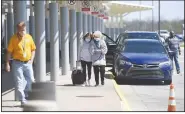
98	50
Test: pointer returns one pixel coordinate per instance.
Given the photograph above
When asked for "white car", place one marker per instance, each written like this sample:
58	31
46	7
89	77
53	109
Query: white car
164	33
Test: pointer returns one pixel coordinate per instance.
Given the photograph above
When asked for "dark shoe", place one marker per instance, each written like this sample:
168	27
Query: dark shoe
178	72
102	83
26	98
96	85
22	104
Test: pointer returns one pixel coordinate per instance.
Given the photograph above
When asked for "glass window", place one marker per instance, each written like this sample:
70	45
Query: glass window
143	36
143	47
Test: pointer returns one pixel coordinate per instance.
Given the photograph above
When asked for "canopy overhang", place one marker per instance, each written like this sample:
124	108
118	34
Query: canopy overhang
116	8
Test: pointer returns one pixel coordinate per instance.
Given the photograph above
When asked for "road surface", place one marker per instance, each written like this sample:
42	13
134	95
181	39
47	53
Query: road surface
154	97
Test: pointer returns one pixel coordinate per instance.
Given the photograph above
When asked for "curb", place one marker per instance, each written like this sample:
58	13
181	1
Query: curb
120	94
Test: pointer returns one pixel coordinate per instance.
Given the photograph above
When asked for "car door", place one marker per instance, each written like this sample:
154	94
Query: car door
111	45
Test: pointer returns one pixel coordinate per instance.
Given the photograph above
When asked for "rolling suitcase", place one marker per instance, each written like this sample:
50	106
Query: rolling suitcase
77	74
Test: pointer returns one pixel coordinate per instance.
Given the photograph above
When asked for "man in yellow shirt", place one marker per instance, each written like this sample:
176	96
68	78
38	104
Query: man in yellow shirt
22	49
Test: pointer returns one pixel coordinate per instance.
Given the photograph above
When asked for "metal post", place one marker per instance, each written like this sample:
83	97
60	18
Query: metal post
159	14
19	15
10	25
5	34
98	24
73	38
89	23
47	25
93	23
54	41
140	15
84	24
40	41
79	31
152	16
32	21
65	39
19	12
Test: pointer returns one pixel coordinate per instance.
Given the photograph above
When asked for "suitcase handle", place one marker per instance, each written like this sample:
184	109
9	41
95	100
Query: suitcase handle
78	65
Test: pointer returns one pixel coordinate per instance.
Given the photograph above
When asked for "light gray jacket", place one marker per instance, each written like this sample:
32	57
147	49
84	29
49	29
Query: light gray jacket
85	54
98	54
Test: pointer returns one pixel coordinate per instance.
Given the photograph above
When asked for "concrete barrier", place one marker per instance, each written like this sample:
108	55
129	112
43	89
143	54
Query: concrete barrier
40	105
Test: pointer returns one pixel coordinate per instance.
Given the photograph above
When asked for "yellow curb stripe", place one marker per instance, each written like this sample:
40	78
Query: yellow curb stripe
120	94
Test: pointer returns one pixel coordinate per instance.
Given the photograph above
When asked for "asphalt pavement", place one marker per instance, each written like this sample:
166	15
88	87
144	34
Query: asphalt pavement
154	96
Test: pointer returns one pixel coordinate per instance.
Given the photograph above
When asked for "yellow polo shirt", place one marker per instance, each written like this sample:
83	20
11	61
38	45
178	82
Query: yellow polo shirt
21	49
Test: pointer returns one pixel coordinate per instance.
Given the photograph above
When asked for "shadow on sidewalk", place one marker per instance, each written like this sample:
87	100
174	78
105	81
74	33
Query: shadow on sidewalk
7	81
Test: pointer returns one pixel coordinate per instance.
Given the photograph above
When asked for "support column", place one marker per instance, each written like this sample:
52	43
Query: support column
47	25
10	21
93	23
98	23
32	21
40	41
89	23
73	39
54	41
19	15
79	31
84	24
112	33
19	12
65	39
5	34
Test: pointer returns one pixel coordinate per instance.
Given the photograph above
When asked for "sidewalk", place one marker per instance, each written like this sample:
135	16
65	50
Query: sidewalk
76	98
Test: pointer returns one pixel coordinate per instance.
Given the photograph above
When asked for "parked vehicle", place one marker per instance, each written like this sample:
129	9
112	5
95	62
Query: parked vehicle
111	44
142	59
164	33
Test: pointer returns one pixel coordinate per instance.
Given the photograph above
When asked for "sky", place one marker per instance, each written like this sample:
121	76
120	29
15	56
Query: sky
169	10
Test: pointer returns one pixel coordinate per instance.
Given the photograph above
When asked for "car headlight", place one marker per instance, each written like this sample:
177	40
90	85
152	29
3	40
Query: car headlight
123	62
165	63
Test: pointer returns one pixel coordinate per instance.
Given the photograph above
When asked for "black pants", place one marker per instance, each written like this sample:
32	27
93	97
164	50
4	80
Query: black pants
101	70
89	66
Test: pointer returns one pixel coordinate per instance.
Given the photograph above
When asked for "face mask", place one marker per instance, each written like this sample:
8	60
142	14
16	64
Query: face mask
97	39
87	39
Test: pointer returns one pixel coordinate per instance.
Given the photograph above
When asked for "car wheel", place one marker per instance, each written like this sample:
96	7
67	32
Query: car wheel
118	80
167	82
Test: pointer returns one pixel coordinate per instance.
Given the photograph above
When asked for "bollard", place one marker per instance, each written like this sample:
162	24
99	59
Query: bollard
43	91
40	105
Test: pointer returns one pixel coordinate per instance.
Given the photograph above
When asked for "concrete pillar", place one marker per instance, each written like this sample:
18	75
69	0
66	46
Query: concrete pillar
93	23
89	23
47	25
79	26
32	21
84	24
5	34
65	39
54	41
112	33
10	25
73	39
40	41
19	12
19	15
98	23
107	31
102	25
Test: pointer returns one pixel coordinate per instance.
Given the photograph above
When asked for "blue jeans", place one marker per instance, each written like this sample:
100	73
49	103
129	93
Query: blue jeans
23	74
174	56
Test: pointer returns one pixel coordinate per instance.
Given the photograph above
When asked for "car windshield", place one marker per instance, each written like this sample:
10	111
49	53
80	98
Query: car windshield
143	36
143	47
